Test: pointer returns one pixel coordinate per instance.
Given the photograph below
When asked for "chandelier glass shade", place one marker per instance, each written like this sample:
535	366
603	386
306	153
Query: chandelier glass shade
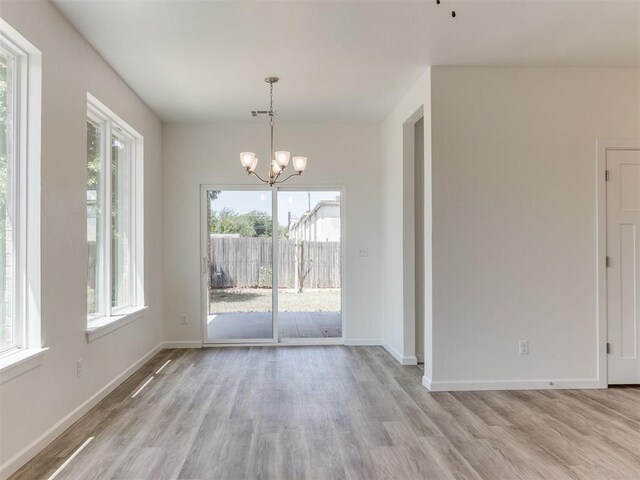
279	160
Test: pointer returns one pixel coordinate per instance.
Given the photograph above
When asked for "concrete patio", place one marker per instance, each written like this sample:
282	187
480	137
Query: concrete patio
258	325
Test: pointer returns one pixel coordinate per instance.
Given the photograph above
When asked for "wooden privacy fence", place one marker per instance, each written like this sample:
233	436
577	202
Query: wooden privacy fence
246	263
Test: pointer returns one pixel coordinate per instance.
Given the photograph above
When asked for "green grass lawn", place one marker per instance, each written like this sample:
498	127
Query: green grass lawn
226	300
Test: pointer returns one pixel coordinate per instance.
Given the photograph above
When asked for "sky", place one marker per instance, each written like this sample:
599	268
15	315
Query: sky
295	202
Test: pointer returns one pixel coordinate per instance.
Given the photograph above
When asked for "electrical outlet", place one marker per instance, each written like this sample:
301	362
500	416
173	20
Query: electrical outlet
523	347
79	367
183	319
363	252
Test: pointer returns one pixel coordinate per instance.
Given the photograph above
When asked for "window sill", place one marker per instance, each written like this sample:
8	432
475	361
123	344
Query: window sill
19	362
104	325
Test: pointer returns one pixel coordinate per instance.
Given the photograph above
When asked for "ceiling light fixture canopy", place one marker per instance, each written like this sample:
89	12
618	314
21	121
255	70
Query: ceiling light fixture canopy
279	160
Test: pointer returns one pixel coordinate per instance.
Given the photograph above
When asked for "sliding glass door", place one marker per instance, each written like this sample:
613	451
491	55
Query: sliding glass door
254	239
310	265
239	246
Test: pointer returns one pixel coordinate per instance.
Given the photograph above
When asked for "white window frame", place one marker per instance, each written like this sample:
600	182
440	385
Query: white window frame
108	318
27	350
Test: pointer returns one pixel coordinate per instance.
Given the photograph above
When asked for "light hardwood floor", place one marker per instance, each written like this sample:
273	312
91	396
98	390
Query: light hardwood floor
338	412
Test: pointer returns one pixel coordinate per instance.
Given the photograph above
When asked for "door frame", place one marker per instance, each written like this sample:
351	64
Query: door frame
603	146
203	255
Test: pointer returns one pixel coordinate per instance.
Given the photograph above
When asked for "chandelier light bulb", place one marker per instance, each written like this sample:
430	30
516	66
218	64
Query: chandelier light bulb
246	159
254	164
282	157
299	164
275	166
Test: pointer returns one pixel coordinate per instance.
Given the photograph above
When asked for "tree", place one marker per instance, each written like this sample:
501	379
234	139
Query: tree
228	221
251	224
261	223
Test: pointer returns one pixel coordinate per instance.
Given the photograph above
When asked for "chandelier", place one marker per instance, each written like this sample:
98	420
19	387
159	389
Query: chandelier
280	159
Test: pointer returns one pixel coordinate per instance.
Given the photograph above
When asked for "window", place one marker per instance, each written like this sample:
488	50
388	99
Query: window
114	220
19	231
10	326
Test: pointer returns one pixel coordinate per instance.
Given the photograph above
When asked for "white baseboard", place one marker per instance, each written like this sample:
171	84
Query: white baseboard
182	344
362	342
23	456
398	356
561	384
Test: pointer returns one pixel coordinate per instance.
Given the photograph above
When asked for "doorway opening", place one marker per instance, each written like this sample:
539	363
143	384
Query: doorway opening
272	265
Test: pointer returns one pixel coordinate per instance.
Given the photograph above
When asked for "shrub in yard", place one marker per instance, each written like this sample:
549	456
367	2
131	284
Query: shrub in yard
264	277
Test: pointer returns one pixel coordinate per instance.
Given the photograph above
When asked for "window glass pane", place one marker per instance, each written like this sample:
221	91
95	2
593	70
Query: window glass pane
94	217
8	333
121	232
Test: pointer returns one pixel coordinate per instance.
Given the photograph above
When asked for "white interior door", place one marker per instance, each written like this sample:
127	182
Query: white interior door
623	273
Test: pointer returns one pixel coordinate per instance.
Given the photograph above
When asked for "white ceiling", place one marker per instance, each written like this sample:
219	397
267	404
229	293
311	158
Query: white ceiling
337	60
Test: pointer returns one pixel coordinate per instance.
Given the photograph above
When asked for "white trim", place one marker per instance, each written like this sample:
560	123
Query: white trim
363	342
27	453
602	145
102	326
19	362
182	344
408	360
555	384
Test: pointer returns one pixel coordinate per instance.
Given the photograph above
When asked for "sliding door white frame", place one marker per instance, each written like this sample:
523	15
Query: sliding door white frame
204	265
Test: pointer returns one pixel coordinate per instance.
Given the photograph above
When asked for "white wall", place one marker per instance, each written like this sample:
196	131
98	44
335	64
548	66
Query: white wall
33	402
398	248
196	154
514	220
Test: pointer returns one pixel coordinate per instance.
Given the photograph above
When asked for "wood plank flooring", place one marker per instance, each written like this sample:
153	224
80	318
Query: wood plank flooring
334	413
